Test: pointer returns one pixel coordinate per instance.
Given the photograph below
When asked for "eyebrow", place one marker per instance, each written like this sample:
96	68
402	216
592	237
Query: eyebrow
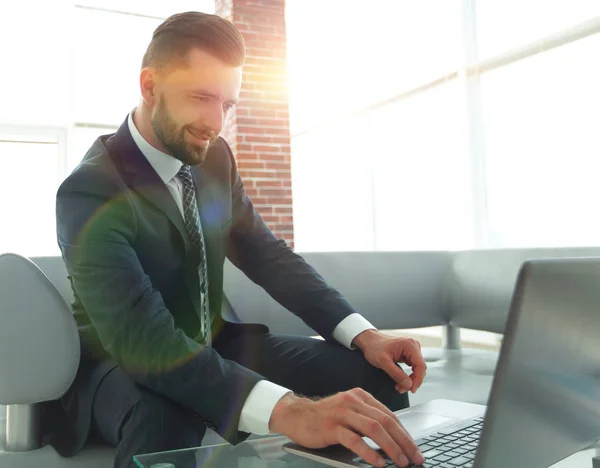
214	96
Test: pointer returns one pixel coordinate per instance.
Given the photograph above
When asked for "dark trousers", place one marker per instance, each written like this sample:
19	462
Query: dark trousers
136	420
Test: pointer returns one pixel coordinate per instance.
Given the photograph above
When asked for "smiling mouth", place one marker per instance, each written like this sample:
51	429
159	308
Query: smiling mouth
203	139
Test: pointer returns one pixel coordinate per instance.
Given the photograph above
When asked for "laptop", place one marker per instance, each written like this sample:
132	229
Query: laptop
544	404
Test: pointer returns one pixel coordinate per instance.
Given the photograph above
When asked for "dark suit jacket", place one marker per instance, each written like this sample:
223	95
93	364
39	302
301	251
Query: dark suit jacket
136	283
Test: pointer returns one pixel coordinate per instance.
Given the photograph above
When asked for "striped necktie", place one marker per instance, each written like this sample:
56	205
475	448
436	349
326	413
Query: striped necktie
194	228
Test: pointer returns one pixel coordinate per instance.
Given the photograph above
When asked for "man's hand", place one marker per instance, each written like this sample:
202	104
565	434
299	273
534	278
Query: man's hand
342	419
384	352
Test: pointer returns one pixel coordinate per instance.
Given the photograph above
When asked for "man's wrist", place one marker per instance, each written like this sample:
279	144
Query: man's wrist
361	341
282	411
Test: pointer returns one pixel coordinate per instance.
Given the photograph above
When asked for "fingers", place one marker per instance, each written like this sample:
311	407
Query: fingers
372	401
416	342
419	368
403	381
412	356
352	441
376	410
397	432
373	429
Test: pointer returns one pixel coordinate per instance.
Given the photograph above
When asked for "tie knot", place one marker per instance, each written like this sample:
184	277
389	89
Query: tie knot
185	173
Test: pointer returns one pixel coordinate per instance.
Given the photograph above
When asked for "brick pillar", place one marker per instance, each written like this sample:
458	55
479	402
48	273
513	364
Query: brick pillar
258	131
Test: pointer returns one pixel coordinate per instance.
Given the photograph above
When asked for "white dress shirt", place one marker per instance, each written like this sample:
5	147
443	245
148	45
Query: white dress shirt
259	405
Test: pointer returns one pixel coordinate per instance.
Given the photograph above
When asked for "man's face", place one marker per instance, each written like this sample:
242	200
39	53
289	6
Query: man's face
192	104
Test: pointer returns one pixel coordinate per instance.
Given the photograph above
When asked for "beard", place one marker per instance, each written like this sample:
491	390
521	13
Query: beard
173	139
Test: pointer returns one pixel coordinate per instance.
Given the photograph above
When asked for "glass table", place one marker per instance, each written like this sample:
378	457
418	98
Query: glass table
258	453
268	453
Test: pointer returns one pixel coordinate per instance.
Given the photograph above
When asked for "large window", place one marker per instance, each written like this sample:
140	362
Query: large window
542	148
372	113
421	175
444	124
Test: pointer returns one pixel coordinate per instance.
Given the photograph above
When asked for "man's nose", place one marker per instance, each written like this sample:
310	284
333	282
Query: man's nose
215	120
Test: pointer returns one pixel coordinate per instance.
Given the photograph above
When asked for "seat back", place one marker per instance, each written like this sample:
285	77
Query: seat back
39	343
481	283
391	289
55	270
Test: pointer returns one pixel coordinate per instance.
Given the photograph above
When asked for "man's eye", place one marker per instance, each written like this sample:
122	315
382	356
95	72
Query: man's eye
202	98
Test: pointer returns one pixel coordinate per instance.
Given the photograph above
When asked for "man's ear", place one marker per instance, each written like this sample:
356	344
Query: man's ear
147	85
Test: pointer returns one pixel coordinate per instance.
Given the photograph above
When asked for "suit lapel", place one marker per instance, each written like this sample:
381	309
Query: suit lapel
142	178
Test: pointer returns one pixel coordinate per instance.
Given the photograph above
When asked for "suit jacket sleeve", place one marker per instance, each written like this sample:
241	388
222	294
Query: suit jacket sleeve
272	264
96	233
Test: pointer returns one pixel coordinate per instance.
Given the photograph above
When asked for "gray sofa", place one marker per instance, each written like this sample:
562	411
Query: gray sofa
394	290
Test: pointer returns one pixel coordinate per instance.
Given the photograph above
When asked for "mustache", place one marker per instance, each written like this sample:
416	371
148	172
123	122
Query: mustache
203	133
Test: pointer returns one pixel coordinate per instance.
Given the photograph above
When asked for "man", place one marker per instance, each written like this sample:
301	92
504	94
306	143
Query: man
144	225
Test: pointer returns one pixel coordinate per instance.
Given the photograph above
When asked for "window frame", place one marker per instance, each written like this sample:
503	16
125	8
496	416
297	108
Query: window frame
23	133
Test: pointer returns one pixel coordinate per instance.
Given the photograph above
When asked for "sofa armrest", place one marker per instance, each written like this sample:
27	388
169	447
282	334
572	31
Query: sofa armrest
39	346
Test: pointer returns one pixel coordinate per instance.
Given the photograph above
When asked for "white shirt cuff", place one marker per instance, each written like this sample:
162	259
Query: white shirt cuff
350	328
258	407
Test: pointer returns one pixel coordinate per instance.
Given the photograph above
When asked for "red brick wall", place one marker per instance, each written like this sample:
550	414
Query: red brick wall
258	131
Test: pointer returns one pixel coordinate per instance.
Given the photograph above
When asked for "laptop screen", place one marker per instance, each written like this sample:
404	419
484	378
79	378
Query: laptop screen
545	400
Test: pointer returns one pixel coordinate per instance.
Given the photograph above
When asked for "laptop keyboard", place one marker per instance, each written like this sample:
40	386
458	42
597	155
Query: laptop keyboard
451	447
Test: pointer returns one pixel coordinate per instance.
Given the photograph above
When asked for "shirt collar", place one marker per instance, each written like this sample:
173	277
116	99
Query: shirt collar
165	165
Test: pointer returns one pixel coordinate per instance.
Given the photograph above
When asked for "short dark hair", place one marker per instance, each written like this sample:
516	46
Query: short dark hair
173	40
